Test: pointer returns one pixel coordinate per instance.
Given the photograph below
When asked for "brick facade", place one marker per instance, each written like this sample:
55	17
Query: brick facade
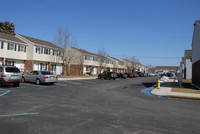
28	65
3	62
75	70
49	66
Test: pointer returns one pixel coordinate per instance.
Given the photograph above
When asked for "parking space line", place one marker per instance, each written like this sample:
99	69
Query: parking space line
9	115
88	82
61	84
33	85
74	82
5	91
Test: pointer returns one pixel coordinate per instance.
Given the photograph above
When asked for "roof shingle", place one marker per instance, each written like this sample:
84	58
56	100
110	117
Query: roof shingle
40	42
10	37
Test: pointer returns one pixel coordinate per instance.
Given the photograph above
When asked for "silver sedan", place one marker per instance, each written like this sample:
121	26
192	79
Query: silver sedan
40	77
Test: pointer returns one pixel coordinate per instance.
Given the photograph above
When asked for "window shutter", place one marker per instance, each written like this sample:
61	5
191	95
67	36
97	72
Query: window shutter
24	48
15	47
8	46
36	50
53	52
18	47
1	45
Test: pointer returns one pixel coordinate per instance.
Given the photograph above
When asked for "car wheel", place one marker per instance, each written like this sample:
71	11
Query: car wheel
113	78
51	83
16	84
38	82
23	79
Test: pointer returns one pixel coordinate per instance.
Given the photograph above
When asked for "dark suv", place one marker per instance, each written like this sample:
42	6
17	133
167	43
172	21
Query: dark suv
10	75
108	75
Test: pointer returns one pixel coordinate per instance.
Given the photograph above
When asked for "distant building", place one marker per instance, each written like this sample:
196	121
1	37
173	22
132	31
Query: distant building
196	54
166	69
188	64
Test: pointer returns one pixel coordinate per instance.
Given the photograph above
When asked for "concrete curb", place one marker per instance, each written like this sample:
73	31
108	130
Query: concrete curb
185	95
78	78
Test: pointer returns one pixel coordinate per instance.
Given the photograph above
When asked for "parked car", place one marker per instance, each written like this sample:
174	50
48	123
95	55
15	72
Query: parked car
130	75
146	74
10	75
40	77
108	75
140	74
121	75
135	74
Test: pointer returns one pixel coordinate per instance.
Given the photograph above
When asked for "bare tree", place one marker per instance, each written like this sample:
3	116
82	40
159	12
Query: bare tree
151	68
102	58
134	63
63	40
81	62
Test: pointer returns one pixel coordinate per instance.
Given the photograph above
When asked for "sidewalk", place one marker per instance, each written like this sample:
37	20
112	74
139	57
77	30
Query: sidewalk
77	78
171	88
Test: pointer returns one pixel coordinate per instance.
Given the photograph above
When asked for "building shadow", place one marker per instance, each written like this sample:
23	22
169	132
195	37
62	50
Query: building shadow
149	84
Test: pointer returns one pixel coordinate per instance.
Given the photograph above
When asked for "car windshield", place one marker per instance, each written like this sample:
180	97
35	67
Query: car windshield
12	70
46	73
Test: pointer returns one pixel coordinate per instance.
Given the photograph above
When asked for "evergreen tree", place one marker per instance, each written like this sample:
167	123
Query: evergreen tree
7	27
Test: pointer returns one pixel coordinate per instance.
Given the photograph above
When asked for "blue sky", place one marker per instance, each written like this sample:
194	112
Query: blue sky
155	31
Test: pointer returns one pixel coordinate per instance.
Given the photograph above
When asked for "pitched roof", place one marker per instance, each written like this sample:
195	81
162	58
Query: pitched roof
40	42
188	52
10	37
85	52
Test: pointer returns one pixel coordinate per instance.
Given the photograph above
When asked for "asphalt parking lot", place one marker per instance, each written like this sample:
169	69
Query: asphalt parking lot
94	107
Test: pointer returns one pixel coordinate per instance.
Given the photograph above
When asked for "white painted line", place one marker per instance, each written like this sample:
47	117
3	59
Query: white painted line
9	115
65	85
89	82
73	82
33	85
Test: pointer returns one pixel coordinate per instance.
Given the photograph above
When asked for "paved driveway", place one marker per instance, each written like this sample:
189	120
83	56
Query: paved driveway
95	107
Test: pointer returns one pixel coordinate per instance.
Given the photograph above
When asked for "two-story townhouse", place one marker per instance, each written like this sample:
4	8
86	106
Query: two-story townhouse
196	54
42	55
127	65
13	51
118	65
188	64
84	62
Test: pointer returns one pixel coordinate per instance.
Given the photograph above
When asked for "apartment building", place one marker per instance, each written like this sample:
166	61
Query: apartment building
13	51
83	62
196	54
188	64
118	65
28	53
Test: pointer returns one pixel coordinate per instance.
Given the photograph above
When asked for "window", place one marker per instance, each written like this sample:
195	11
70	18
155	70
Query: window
9	63
87	69
53	67
12	70
61	53
46	73
38	50
55	52
46	51
43	66
1	45
1	69
35	72
95	59
87	57
11	46
21	48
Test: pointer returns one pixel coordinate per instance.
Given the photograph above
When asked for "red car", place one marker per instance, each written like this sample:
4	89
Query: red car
130	75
